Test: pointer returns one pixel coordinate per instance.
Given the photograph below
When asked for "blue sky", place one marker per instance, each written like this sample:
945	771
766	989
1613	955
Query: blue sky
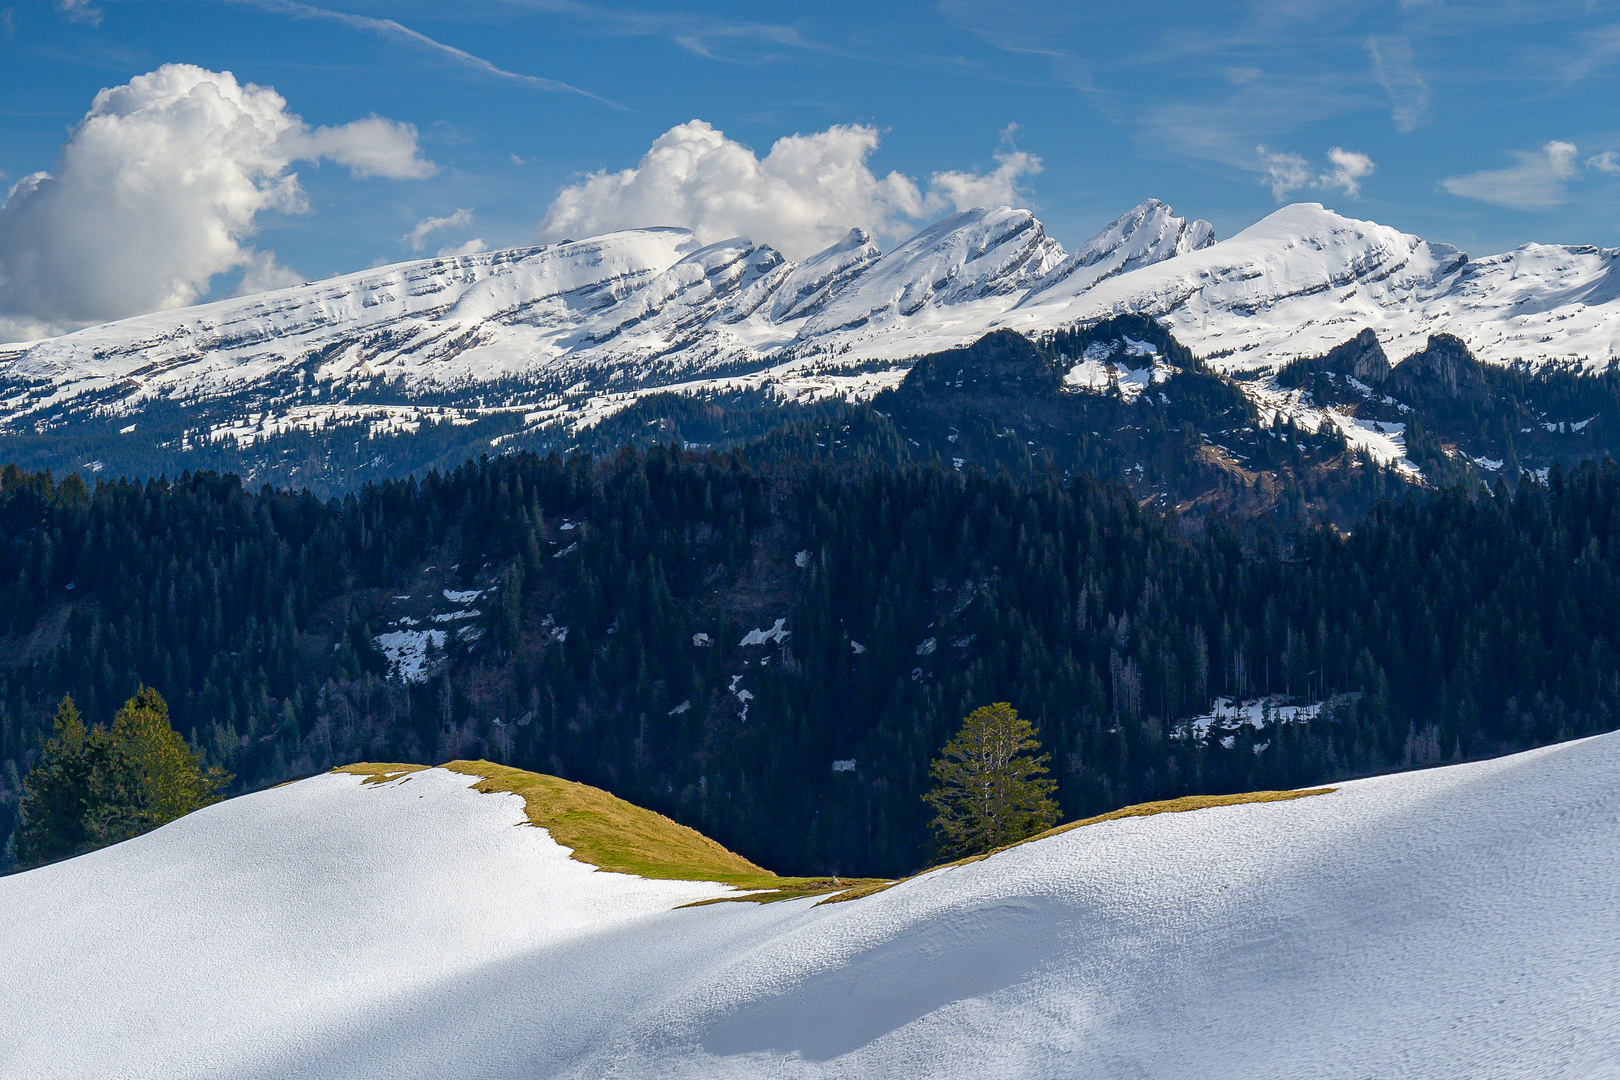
1481	124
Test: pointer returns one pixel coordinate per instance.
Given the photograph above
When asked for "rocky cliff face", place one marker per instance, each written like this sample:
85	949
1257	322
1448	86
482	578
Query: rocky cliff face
1445	372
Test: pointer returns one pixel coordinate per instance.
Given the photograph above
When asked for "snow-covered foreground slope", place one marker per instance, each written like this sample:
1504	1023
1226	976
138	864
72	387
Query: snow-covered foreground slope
1459	922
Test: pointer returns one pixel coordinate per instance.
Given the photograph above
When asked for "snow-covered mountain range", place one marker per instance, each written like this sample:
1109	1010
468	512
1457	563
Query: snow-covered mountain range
1450	923
574	330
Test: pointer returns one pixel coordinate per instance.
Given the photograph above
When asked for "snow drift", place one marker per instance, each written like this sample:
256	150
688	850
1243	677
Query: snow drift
1458	922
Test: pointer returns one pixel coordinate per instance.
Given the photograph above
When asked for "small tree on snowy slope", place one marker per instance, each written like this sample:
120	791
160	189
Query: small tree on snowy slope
990	787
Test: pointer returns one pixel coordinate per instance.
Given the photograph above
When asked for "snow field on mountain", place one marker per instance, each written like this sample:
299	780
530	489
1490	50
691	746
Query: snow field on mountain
1097	371
575	331
1305	279
1457	922
1385	440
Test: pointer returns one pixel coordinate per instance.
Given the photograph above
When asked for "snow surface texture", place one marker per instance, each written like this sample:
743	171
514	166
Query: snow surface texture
1452	923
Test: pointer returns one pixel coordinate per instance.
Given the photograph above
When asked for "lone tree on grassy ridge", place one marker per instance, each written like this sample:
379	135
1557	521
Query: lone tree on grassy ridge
93	787
990	788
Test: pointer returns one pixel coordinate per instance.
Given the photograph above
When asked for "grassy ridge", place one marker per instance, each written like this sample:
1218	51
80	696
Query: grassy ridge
609	833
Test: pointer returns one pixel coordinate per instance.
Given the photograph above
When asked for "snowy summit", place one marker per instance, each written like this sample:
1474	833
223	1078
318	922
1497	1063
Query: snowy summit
576	330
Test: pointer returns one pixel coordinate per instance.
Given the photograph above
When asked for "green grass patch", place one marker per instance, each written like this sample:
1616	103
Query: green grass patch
790	888
603	830
607	832
1176	806
1163	806
378	772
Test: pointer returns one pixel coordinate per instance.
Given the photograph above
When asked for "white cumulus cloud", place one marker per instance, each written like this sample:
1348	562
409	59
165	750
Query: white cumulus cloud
1538	182
965	190
1349	167
1285	172
261	273
370	147
158	190
803	195
471	247
1606	162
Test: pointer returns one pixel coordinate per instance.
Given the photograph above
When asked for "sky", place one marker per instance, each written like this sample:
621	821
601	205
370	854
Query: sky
162	153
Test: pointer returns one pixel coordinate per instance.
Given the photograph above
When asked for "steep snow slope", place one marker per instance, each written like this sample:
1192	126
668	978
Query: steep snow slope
1458	922
549	329
1306	279
377	323
1296	283
1146	234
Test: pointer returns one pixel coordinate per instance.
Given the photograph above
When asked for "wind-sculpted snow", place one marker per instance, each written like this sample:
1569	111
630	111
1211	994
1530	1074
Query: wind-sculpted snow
573	331
1447	924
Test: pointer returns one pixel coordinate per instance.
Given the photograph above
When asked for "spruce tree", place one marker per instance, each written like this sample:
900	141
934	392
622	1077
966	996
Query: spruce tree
93	787
76	795
990	787
168	776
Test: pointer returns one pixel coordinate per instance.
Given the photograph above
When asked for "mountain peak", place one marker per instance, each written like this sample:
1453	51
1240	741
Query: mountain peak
644	309
1147	233
1313	221
814	281
968	255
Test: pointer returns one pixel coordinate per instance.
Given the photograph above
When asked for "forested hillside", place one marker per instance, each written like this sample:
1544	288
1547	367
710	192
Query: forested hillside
771	647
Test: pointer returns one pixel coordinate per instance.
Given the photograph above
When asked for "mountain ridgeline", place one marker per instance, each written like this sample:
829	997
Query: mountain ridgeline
584	344
771	644
1122	399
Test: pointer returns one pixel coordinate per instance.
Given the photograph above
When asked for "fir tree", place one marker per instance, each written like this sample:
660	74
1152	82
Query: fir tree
990	787
79	790
94	787
168	778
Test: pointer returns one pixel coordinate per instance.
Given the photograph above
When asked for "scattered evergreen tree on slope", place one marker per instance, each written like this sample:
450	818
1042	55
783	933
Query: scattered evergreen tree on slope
990	787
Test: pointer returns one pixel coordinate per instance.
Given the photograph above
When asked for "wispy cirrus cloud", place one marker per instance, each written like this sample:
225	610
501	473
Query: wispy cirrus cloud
1394	65
728	40
1539	181
80	11
396	31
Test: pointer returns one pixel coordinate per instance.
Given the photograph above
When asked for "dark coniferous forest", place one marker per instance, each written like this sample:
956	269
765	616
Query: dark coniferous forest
615	597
